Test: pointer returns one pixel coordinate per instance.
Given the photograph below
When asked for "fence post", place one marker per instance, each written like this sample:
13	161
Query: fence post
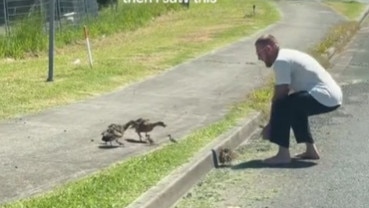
88	45
59	14
51	39
6	17
186	3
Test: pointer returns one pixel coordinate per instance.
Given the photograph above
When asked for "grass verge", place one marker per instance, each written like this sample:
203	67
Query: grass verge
123	58
341	34
350	9
335	41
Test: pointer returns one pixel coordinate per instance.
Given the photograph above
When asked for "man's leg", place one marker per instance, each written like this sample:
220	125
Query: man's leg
280	132
304	105
301	130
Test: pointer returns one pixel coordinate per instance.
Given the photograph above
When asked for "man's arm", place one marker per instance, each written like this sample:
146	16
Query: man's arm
280	91
282	70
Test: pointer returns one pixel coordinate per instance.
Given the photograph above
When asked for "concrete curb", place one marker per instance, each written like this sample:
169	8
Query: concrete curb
363	15
167	192
361	19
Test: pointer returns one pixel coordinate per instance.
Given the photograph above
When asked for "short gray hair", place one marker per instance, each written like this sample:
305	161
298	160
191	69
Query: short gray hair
266	39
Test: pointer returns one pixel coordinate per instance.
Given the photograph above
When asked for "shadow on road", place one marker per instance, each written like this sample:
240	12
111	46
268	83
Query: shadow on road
135	141
259	164
104	146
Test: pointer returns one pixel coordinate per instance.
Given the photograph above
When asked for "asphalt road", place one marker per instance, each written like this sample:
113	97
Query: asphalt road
340	179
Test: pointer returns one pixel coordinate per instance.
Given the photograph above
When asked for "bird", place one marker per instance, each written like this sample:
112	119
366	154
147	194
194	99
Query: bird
226	156
148	138
144	126
172	139
114	132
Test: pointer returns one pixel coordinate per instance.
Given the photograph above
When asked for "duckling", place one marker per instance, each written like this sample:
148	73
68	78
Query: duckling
144	126
114	132
226	156
148	138
171	139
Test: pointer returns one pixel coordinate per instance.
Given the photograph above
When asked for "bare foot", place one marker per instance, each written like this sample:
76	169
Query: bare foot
311	153
278	159
308	156
282	157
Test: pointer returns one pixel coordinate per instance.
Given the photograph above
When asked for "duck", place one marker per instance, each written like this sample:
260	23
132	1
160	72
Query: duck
145	126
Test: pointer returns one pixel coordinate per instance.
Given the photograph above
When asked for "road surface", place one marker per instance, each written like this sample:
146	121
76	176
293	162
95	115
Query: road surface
340	179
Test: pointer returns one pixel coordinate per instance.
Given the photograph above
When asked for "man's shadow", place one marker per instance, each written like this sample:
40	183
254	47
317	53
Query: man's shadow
294	164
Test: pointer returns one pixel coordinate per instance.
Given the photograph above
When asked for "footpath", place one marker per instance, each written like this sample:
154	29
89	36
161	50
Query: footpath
42	150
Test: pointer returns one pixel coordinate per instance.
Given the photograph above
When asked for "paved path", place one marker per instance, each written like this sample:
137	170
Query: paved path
42	150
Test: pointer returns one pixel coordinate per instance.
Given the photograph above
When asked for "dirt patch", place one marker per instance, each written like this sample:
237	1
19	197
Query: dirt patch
203	35
197	37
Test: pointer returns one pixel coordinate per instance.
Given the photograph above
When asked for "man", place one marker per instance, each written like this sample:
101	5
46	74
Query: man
302	88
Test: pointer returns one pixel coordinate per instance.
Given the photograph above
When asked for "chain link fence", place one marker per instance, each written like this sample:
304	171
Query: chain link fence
67	12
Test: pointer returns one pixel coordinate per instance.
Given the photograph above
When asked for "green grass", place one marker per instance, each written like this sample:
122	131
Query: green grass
351	9
123	58
337	38
28	36
339	35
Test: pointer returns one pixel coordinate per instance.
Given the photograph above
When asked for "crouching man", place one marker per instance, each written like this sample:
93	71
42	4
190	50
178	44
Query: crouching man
302	88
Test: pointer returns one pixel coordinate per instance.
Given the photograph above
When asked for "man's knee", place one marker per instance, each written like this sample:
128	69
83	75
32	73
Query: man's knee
281	105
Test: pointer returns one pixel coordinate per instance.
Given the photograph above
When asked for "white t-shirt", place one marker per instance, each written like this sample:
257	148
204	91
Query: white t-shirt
303	73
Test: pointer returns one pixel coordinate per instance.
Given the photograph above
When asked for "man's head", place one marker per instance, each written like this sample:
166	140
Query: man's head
267	49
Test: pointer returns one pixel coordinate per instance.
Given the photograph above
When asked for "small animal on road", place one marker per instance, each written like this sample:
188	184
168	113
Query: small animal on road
226	156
